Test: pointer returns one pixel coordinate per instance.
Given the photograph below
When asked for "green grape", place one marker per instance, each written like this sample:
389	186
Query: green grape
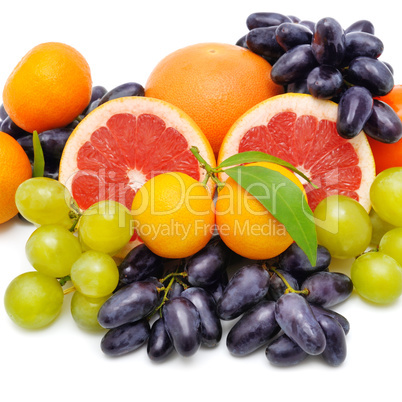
52	250
84	311
391	244
105	226
95	274
44	201
377	277
33	300
380	227
343	226
386	195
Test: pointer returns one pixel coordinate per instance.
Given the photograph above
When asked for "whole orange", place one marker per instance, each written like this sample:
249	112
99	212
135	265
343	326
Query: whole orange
246	226
14	169
213	83
48	88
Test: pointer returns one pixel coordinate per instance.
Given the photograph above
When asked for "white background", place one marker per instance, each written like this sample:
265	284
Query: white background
122	41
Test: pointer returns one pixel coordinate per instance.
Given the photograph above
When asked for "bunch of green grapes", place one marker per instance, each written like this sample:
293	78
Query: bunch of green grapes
68	245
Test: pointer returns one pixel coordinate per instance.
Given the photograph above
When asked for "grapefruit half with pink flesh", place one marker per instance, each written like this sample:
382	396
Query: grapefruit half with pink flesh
302	130
125	142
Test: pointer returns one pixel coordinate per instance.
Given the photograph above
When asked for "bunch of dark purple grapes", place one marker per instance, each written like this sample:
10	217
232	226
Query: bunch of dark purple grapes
281	304
328	62
54	140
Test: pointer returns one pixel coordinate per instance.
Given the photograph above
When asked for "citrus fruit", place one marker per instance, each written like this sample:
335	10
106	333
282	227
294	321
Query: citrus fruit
48	88
124	143
245	225
302	130
174	215
14	169
214	83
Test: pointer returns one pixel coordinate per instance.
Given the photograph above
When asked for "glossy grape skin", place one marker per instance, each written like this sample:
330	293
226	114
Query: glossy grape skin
33	300
84	311
289	35
140	263
95	274
328	43
52	250
309	24
354	109
380	227
265	19
175	291
218	287
3	113
126	338
277	287
377	277
371	74
297	320
361	26
159	345
294	65
335	350
358	44
254	329
97	92
294	261
324	82
211	327
130	303
327	288
391	244
284	352
262	41
384	124
318	311
126	89
343	226
246	288
183	324
242	42
206	266
9	127
299	86
386	195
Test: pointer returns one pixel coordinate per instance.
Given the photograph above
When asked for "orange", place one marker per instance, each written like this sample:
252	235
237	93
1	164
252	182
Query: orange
245	225
389	155
302	130
48	88
125	142
214	83
14	169
174	215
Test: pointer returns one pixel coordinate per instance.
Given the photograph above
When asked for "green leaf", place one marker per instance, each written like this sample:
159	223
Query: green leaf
284	200
39	161
256	156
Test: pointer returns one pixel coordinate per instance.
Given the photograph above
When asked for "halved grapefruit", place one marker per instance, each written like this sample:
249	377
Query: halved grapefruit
125	142
302	130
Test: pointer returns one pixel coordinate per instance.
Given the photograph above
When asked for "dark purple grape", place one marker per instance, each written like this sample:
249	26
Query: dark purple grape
125	338
324	82
289	35
175	290
262	41
159	344
51	170
354	109
299	87
296	319
206	266
130	303
284	352
328	288
294	18
294	65
319	311
335	350
9	127
211	327
183	324
389	67
254	329
127	89
328	43
265	19
246	288
92	106
3	113
140	263
361	26
242	42
383	125
218	287
362	44
309	24
295	261
276	285
371	74
97	92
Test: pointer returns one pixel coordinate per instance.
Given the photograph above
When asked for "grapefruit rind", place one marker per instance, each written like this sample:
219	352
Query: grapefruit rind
300	104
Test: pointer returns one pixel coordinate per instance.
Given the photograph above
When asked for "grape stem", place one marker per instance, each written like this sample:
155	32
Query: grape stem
69	290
